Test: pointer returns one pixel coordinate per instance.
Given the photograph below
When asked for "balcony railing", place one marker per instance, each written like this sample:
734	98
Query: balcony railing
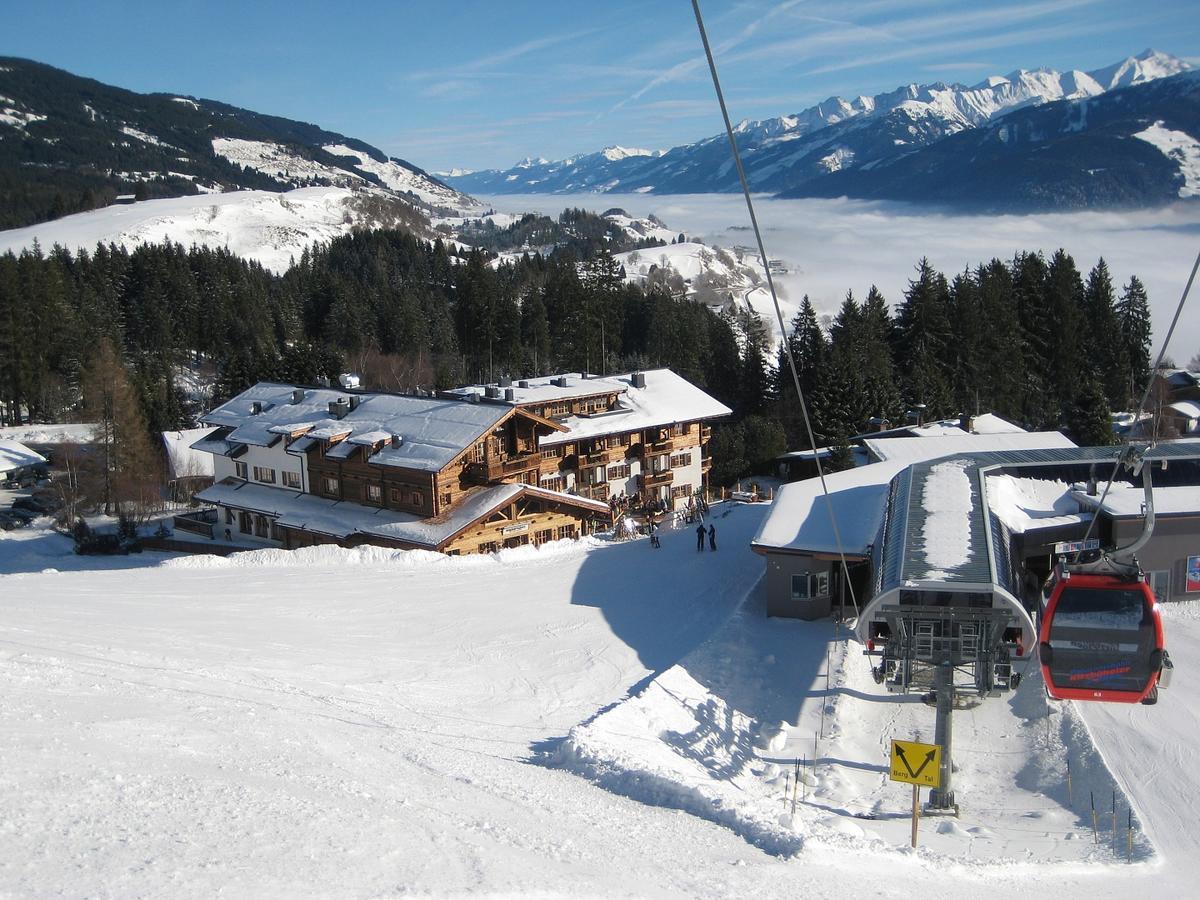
601	457
499	469
705	463
705	432
657	479
593	491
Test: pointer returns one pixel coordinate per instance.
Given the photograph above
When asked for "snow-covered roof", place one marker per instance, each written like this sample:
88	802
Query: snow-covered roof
341	519
799	517
1126	500
184	458
15	455
666	399
1188	408
984	423
432	430
1025	504
990	423
901	449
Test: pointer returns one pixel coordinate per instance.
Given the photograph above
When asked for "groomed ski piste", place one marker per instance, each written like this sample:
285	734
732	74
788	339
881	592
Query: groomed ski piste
591	718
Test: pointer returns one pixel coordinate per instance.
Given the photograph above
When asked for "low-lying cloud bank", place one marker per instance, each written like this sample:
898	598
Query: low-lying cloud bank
831	246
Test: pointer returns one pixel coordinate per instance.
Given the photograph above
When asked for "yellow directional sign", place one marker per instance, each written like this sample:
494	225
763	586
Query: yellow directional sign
916	763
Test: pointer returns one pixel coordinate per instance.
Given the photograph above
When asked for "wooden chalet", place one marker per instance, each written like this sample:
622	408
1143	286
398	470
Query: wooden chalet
296	466
641	435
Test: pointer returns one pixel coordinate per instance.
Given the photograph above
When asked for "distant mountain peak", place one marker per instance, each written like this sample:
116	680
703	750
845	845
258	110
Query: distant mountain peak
615	152
836	137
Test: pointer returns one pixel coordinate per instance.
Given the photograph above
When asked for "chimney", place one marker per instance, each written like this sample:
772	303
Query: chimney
354	401
256	407
396	440
323	381
298	395
966	423
510	395
339	407
638	380
472	397
505	382
523	383
492	392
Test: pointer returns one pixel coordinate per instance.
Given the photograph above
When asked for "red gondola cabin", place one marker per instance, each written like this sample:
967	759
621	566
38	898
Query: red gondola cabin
1101	638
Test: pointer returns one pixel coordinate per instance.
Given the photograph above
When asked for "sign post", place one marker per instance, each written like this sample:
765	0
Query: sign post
916	813
916	764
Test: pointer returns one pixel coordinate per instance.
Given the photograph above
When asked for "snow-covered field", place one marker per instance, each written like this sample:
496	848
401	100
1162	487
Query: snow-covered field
590	719
831	246
273	229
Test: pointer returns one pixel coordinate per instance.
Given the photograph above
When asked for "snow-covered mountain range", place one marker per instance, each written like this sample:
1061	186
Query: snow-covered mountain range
70	144
795	154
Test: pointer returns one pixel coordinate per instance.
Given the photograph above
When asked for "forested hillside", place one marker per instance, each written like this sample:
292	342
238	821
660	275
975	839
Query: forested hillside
1030	339
70	144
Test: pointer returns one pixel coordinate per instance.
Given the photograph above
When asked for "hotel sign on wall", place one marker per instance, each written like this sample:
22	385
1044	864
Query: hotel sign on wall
1192	584
519	528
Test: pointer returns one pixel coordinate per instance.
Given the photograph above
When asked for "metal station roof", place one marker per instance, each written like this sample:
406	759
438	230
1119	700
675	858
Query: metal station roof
902	558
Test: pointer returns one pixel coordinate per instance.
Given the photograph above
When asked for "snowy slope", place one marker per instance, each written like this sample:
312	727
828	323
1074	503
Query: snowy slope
380	723
722	278
272	229
404	179
1180	147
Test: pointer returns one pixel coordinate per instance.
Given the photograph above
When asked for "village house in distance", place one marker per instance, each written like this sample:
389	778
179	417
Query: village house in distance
468	471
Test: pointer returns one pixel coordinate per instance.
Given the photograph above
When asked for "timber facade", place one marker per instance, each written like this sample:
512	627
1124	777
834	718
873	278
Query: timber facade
468	471
643	436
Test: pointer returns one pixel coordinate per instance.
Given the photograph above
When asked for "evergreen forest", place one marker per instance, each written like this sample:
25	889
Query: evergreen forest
1032	339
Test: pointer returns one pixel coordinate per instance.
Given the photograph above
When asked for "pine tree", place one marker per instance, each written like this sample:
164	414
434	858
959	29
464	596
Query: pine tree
1133	317
1064	298
1103	345
923	340
1089	419
1030	275
1001	375
810	351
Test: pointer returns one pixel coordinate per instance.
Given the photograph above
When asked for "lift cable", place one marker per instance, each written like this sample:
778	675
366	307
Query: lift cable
737	159
1162	352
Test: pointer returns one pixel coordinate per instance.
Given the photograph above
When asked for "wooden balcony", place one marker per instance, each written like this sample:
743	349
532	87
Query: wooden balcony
657	479
705	463
593	491
705	432
501	469
601	457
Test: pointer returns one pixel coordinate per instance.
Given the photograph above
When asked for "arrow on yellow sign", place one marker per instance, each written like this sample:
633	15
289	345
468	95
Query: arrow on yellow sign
916	763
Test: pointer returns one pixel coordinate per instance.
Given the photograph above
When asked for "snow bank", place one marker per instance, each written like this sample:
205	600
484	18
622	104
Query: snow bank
330	556
678	745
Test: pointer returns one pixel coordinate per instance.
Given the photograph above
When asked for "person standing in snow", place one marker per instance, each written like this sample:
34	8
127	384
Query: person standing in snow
700	537
712	537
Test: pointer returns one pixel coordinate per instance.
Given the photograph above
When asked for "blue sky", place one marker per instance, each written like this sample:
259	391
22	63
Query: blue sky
482	84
